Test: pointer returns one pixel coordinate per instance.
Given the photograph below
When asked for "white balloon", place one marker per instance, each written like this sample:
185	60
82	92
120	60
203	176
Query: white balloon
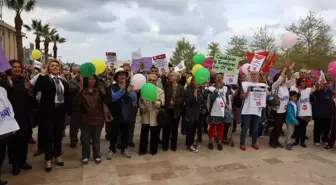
245	68
138	81
289	40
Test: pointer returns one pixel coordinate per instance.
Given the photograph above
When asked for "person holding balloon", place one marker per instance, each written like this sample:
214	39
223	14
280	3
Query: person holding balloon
54	105
149	110
122	109
174	99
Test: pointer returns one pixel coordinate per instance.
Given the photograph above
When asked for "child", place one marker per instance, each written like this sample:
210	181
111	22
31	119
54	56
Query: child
291	120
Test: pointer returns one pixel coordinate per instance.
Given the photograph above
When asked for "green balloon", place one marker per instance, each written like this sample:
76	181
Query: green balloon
87	69
199	58
202	75
149	92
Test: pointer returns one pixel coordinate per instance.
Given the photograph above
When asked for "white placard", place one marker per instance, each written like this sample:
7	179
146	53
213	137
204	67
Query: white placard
160	61
180	67
37	64
111	57
8	123
231	79
257	97
257	62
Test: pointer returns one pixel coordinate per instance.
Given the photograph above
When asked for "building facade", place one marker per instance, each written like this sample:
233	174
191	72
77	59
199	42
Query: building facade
8	40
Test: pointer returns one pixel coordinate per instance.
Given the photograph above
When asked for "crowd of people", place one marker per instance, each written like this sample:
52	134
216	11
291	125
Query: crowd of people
50	97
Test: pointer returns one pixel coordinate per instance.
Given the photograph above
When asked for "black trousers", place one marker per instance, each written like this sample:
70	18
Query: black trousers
300	131
226	130
279	119
74	127
322	128
52	129
153	141
3	149
40	139
118	127
18	146
170	131
191	127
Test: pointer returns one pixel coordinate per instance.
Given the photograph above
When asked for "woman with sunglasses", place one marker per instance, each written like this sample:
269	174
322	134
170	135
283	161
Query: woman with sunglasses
304	110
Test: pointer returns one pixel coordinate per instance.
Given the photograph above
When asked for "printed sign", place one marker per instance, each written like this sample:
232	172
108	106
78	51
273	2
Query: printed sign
160	61
257	96
180	67
143	64
225	64
111	57
257	62
231	79
37	64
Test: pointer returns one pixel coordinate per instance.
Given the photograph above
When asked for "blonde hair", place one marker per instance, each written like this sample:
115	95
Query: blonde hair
176	74
53	61
152	75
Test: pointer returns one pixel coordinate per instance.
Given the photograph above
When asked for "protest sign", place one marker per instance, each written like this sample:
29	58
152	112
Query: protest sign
143	64
160	61
225	64
111	57
180	67
257	97
257	62
231	79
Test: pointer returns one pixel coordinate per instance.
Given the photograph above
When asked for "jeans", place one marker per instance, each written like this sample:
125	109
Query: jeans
322	128
253	121
191	126
90	133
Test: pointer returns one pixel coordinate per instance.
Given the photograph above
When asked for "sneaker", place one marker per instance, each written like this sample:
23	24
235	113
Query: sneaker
317	144
327	148
192	149
242	147
85	161
98	160
255	147
197	145
126	154
210	146
289	146
219	146
110	155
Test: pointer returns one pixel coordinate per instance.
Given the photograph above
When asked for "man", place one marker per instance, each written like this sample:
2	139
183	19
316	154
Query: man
155	70
74	87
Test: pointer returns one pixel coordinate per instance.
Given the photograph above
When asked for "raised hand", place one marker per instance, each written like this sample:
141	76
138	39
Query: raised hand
10	81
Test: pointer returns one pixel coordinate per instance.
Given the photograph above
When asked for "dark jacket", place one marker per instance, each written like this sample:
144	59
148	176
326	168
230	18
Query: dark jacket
179	96
91	107
74	86
192	105
21	101
322	106
47	87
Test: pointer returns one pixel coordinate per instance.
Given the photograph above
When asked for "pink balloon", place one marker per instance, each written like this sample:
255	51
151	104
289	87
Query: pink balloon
245	68
332	68
289	40
138	80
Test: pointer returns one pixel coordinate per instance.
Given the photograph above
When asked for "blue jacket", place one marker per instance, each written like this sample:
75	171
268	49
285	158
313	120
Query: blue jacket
290	115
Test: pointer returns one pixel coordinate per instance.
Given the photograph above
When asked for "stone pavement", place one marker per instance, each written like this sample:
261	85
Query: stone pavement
301	166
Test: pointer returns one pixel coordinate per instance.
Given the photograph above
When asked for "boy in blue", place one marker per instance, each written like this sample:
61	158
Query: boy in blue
291	115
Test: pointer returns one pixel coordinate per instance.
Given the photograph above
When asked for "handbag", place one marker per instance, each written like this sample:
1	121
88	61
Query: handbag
108	115
162	117
228	118
273	99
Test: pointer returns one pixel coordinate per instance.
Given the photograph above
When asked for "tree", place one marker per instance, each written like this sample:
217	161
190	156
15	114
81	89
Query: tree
315	47
184	51
213	48
19	6
36	27
57	39
263	40
237	46
47	33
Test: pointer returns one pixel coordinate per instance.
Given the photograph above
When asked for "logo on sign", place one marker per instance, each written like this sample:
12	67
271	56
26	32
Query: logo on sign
222	104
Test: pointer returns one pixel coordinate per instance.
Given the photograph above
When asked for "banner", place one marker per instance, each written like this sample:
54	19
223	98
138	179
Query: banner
4	64
225	64
160	61
111	57
143	64
257	62
180	67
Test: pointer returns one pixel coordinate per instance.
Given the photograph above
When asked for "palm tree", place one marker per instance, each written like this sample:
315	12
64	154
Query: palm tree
47	33
19	6
57	39
36	27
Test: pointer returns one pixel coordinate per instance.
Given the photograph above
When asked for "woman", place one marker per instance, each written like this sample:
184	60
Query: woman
193	100
92	118
218	104
332	136
254	96
20	95
237	101
174	99
280	89
304	110
54	105
122	109
148	112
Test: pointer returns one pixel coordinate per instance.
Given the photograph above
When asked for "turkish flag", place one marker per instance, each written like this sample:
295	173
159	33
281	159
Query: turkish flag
250	56
269	64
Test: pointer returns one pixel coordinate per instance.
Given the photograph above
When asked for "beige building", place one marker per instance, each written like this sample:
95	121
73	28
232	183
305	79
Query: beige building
8	40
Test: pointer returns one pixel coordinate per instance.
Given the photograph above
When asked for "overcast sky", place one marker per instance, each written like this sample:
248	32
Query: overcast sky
93	27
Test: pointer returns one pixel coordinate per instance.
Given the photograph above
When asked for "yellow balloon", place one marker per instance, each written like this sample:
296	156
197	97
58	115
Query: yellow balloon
194	69
100	66
189	80
36	54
